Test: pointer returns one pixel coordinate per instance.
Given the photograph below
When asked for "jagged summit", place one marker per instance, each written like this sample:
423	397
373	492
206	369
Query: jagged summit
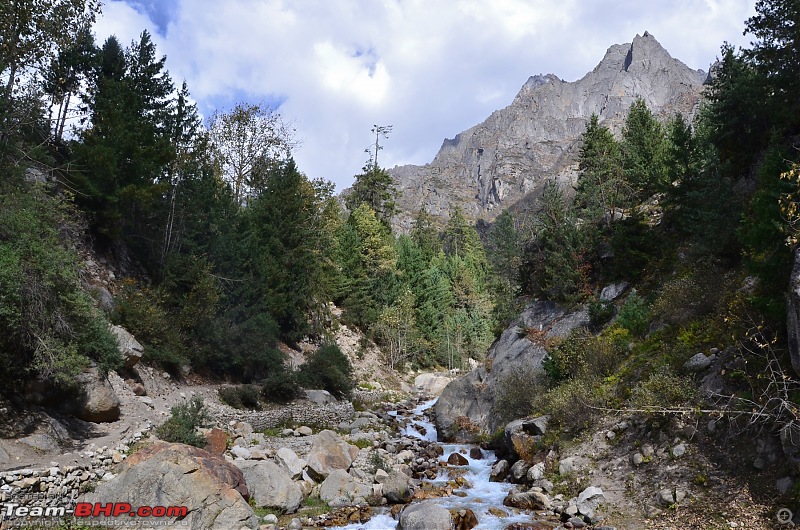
508	157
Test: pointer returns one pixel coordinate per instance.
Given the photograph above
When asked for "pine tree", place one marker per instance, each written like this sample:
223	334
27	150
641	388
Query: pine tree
374	186
602	188
643	149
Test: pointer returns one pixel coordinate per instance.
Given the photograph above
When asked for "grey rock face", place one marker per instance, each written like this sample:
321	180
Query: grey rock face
507	158
270	486
424	516
513	353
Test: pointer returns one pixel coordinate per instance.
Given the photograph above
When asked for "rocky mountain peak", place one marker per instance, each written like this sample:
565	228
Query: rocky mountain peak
506	160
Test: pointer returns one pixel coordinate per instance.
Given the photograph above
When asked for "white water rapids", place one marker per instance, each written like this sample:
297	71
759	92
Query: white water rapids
481	494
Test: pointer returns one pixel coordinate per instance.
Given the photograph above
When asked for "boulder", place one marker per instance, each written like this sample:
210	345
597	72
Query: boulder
513	353
329	452
613	291
463	519
589	499
499	471
289	460
571	465
98	402
424	516
341	489
697	363
524	433
129	348
320	397
396	488
530	500
519	471
213	490
536	472
456	459
216	441
431	384
270	486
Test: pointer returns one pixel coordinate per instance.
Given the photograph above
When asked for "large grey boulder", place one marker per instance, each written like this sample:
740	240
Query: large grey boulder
129	348
589	499
320	397
329	452
293	464
697	363
270	486
431	384
520	433
793	313
341	489
213	490
512	354
424	516
396	488
97	402
507	159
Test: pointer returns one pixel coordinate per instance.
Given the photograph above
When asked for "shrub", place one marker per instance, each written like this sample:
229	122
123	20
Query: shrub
634	315
280	385
663	389
514	394
49	327
244	396
328	369
600	312
141	311
182	426
570	405
583	354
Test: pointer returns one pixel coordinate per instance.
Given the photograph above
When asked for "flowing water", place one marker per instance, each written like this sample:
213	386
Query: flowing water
480	493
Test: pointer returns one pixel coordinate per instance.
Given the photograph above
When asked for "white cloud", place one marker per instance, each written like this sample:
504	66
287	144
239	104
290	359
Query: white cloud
431	69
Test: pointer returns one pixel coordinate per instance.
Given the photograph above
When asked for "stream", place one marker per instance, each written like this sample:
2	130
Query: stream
479	495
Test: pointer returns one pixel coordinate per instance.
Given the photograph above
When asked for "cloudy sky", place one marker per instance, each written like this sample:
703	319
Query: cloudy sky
430	68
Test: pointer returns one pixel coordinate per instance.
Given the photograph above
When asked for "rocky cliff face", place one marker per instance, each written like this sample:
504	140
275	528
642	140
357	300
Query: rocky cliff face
508	158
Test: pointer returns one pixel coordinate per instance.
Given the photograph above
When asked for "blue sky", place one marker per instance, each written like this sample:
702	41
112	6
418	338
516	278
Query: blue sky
429	68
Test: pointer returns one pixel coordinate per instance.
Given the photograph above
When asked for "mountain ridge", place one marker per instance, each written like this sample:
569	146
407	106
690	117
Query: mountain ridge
503	161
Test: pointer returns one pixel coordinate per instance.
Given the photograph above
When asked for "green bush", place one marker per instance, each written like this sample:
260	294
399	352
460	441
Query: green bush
634	315
280	385
244	396
514	394
140	311
571	404
328	369
585	355
182	426
663	389
49	327
600	312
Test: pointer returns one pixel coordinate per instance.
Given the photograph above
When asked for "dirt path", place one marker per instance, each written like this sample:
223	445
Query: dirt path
138	414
